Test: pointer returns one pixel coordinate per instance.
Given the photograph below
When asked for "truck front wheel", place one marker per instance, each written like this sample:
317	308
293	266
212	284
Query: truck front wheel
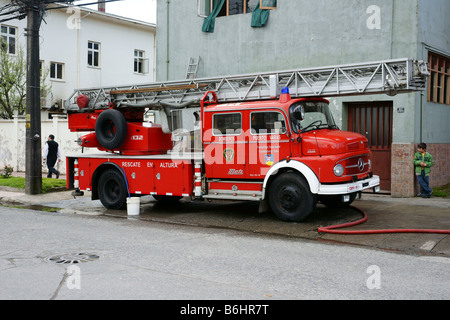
112	190
290	198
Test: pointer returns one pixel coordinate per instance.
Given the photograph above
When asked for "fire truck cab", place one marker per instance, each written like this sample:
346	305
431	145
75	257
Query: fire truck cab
291	150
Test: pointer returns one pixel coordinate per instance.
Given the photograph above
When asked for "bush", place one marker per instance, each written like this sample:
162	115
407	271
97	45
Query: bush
6	172
443	191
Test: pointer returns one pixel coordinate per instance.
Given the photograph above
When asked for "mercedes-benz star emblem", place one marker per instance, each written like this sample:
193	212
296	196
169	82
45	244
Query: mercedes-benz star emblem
361	164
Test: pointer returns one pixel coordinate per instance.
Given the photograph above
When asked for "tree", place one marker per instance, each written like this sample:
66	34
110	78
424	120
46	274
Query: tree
13	83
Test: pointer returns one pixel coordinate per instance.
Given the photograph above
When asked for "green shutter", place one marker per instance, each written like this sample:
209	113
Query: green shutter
208	24
259	17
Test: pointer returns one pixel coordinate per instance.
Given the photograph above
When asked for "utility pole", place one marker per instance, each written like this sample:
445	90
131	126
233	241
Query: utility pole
33	157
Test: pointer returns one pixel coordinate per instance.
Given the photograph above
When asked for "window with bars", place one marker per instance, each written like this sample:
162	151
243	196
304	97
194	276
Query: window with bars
8	39
439	81
374	120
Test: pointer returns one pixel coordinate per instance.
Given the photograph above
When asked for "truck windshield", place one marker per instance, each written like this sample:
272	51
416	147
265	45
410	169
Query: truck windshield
315	115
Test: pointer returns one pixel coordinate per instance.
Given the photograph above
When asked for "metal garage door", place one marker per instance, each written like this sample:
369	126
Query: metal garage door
374	120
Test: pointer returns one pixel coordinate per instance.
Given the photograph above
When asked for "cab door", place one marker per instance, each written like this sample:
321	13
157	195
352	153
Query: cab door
225	156
268	142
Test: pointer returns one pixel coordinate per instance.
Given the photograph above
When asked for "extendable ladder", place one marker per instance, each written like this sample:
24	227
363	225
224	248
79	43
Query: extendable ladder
382	77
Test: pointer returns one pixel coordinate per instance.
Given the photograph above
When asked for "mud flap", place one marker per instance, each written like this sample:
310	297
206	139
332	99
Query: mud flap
264	206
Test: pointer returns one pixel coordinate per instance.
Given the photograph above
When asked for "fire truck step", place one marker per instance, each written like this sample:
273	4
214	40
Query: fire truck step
231	195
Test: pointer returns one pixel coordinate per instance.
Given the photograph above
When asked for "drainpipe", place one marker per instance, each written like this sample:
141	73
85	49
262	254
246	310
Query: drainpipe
154	57
167	39
392	28
421	116
78	48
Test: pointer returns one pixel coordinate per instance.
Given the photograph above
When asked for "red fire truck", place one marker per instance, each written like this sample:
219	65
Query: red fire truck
248	141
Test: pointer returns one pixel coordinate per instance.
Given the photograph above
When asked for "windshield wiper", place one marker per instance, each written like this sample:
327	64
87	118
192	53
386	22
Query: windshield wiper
316	124
333	126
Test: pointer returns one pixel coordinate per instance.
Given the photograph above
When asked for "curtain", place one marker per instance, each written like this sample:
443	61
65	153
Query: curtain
259	17
208	24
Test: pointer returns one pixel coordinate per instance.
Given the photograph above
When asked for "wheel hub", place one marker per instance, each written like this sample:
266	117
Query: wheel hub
289	198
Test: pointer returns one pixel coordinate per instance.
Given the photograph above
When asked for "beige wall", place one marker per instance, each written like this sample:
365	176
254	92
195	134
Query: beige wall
12	141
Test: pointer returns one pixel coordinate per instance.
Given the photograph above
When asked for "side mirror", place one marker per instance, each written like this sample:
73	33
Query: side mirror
299	113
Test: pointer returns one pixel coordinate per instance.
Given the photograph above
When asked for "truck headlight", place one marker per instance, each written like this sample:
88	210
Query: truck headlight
338	170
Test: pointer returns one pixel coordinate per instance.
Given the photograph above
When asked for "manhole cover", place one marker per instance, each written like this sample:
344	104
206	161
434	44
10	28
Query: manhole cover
73	258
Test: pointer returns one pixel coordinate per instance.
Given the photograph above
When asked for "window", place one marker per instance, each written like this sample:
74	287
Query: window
8	39
268	4
211	9
310	115
238	7
204	8
439	81
230	7
139	61
267	123
41	68
176	117
93	54
56	71
227	124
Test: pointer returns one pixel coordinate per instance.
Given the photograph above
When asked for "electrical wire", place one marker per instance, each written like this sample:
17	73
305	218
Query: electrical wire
19	8
81	5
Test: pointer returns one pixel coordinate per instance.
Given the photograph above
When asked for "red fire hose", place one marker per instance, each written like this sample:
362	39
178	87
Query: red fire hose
332	229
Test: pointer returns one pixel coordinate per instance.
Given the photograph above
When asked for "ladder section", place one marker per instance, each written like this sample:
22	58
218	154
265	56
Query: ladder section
192	68
384	77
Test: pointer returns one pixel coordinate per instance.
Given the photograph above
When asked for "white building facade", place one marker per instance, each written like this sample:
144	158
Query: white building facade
80	48
88	48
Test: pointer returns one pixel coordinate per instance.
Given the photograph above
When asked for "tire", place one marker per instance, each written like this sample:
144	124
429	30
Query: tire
290	198
111	129
112	190
335	201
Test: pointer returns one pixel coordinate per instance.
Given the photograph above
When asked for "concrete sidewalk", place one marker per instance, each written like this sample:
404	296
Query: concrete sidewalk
384	212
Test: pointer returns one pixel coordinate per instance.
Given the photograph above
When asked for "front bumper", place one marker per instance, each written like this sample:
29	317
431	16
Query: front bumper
346	188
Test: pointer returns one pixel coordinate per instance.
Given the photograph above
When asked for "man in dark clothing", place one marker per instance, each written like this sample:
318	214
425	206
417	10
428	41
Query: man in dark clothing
51	154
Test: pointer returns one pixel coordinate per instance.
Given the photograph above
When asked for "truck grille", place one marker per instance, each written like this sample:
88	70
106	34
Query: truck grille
356	165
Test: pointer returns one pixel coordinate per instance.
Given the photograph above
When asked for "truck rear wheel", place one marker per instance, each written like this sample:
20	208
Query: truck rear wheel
290	198
112	190
111	129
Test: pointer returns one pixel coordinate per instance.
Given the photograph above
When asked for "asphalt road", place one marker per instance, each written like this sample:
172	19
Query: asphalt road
144	259
383	212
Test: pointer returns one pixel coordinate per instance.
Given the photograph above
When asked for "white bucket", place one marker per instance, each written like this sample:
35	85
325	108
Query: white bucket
133	206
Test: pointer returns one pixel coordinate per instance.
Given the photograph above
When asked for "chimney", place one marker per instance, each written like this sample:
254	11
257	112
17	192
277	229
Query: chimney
101	6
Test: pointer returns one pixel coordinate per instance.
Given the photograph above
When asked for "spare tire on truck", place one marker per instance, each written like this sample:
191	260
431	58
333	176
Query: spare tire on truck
111	129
